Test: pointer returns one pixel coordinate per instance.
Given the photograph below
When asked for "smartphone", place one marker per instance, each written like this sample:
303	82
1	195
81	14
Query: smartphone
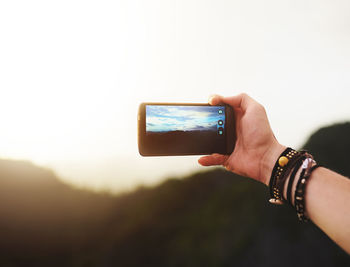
173	129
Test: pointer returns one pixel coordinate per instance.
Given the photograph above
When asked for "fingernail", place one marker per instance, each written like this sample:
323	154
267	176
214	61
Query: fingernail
211	99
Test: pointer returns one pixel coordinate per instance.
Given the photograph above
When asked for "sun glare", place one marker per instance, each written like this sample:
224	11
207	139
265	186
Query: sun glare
72	74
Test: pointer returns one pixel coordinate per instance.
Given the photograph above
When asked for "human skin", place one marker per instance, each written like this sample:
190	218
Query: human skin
327	195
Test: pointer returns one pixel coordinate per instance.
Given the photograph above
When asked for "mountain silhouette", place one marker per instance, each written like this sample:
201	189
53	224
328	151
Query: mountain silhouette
330	147
209	218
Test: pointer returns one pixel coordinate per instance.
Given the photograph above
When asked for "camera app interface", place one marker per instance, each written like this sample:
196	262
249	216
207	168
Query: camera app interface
181	129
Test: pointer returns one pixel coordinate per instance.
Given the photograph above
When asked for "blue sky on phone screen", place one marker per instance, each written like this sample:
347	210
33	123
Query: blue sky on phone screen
183	118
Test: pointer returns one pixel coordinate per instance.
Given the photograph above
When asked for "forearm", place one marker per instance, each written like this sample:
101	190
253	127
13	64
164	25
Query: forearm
324	196
327	200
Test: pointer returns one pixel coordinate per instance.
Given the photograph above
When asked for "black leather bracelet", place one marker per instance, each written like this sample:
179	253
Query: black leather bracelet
280	182
278	176
274	170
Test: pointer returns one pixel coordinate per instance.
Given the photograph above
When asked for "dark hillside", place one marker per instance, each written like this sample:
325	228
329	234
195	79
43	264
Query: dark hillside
212	218
41	218
330	146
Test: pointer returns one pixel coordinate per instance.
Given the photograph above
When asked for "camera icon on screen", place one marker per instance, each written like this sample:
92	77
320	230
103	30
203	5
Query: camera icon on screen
220	131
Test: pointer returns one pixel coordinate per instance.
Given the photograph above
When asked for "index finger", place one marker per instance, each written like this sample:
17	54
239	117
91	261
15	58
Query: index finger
239	101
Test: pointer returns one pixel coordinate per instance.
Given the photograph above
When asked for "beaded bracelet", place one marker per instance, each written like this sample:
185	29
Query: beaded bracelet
299	198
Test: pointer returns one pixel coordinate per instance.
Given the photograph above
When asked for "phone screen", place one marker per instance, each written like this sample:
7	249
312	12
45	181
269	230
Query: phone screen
185	129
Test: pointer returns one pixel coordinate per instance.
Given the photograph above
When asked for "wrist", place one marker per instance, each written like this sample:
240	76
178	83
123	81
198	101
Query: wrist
268	161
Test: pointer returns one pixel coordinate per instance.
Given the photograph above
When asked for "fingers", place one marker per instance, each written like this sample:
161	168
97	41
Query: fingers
242	101
214	159
215	100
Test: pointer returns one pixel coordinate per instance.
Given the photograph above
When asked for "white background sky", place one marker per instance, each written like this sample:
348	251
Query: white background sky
72	74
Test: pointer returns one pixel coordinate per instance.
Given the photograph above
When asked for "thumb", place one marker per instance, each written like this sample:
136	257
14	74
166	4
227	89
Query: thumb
214	159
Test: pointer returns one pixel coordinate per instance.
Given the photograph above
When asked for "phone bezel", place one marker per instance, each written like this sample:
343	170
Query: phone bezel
141	118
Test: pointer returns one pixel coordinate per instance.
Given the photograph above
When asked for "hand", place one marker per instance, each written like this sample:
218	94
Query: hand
256	149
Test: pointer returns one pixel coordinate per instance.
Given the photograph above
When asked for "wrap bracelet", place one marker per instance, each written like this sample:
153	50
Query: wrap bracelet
291	179
280	183
278	176
287	165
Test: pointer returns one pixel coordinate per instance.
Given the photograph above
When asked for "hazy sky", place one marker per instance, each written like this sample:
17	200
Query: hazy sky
72	74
